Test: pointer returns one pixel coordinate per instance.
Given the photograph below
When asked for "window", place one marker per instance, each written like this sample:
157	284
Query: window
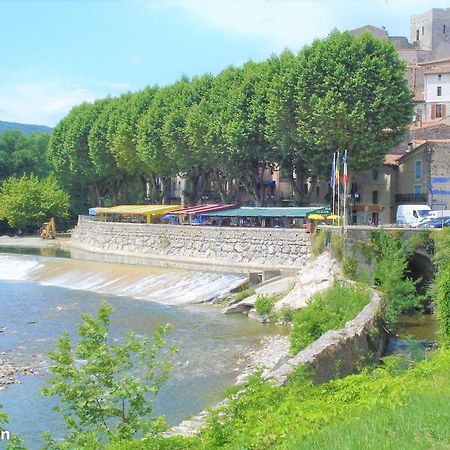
418	169
438	110
317	191
375	174
444	29
439	77
417	189
423	31
375	197
439	91
417	35
305	188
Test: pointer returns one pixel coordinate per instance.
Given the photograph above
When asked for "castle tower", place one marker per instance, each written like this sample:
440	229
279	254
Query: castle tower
430	31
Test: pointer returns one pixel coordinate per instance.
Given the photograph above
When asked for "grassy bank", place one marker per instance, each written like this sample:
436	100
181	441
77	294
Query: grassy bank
389	408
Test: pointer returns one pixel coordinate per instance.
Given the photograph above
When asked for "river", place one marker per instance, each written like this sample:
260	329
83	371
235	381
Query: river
40	297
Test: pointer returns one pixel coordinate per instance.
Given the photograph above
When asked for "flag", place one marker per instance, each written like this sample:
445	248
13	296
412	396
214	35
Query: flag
345	176
332	174
336	173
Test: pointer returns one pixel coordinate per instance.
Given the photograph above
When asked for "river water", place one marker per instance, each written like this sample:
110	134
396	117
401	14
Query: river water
40	297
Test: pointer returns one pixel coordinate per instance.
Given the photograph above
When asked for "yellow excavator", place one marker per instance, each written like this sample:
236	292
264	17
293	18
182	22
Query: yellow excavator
48	230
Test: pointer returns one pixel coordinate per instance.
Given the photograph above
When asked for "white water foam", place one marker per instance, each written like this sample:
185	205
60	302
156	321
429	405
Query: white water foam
144	282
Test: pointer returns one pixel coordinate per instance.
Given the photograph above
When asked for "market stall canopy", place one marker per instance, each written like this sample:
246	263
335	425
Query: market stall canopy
206	208
137	210
266	212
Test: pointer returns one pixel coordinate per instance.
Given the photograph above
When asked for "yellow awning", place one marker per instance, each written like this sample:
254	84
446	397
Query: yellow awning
144	210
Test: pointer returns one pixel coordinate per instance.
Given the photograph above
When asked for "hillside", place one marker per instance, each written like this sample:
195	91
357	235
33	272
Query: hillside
26	129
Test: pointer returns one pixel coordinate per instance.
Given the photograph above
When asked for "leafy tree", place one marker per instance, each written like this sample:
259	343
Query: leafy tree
351	94
27	201
20	154
105	388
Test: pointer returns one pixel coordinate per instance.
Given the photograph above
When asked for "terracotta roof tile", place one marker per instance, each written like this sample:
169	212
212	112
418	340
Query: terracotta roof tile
391	159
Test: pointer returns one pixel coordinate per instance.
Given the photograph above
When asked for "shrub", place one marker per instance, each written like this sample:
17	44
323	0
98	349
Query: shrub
337	246
320	239
328	310
239	296
350	266
398	293
264	304
105	388
286	314
441	286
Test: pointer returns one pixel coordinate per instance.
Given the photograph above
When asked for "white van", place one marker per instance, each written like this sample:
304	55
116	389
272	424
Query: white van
412	215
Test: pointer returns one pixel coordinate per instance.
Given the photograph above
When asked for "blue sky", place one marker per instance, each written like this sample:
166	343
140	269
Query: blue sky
55	54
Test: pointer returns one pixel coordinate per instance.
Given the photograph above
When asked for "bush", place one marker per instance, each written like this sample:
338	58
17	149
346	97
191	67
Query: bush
328	310
264	304
239	296
337	246
398	293
320	239
350	266
105	388
441	286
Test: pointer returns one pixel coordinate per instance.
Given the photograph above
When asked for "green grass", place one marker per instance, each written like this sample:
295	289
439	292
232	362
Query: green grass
328	310
421	423
264	304
239	296
389	408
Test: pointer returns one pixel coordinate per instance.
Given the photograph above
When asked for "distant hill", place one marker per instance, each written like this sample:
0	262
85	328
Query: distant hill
24	128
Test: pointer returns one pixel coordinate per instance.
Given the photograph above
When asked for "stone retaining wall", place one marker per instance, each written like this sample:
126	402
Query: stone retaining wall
274	247
339	353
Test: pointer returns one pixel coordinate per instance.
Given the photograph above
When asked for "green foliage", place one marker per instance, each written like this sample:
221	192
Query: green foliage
264	304
328	310
105	388
21	154
441	287
337	246
285	314
224	132
350	267
320	239
398	293
243	294
352	409
28	201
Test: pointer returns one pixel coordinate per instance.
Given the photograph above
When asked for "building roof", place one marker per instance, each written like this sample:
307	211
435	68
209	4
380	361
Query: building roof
436	61
392	159
205	208
137	210
374	31
267	212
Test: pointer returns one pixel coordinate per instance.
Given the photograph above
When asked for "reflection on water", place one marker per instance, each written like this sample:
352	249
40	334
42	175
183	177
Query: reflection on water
35	310
417	333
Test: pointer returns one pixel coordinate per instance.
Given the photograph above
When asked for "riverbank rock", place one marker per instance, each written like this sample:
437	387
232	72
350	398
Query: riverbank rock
316	276
278	286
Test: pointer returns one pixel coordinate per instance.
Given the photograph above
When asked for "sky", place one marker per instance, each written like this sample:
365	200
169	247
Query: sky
55	54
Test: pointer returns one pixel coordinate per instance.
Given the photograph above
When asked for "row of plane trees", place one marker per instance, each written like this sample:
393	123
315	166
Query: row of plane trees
223	132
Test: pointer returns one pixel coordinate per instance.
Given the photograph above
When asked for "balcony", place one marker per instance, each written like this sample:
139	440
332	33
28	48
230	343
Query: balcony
411	198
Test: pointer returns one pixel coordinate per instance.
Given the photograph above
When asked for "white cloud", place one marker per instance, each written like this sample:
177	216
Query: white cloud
45	103
294	23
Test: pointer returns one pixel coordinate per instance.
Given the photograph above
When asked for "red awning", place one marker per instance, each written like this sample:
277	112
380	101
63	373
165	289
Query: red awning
201	209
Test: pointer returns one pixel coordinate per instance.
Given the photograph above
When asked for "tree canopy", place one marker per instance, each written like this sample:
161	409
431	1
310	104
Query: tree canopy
224	133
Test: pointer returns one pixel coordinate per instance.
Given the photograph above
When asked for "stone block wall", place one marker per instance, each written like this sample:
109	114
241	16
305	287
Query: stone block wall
339	353
274	247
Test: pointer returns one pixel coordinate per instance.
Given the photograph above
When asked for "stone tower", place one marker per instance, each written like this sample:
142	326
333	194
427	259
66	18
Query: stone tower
430	31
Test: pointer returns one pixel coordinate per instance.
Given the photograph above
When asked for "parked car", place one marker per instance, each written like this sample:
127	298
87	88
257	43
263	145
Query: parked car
438	222
412	215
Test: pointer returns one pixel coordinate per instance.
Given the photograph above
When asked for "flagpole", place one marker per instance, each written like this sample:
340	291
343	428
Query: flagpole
345	181
338	188
333	171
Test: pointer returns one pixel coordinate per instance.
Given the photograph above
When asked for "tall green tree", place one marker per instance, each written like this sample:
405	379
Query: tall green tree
351	94
27	201
20	154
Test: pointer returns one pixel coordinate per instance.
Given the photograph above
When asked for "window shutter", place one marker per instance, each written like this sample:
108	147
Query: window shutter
443	114
433	111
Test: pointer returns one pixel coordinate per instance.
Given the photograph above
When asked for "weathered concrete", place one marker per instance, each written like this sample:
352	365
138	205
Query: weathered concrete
338	353
271	248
